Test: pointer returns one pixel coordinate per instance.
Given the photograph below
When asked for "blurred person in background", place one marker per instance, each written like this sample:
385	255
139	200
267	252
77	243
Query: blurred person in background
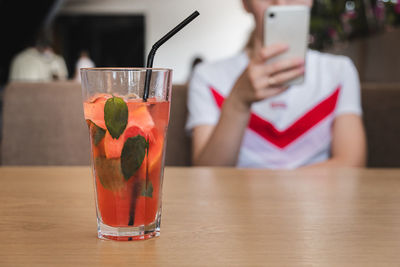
84	61
38	64
241	114
196	61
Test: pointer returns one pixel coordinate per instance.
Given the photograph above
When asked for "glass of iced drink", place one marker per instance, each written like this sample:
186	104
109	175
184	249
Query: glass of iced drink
128	139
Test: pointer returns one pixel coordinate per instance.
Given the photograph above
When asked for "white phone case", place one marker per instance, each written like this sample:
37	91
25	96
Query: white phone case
289	25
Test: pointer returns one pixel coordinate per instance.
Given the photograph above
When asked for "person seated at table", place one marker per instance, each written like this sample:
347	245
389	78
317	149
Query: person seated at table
84	61
38	63
241	114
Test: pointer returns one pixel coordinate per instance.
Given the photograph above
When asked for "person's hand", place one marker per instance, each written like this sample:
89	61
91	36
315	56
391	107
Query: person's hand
262	80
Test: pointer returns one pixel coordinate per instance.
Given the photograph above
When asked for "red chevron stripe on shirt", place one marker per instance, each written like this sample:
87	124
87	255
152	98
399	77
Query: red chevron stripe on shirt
283	138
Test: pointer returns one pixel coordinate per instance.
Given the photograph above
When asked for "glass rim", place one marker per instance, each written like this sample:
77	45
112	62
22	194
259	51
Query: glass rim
123	69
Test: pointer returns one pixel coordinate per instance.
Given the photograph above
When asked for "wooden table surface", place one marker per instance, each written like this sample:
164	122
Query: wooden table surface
211	216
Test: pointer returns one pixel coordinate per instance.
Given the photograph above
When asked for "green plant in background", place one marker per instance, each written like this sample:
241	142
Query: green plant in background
335	21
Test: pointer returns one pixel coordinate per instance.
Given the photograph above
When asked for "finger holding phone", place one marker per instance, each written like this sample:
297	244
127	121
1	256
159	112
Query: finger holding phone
280	63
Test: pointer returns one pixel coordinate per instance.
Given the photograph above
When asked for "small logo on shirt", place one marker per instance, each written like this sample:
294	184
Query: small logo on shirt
281	105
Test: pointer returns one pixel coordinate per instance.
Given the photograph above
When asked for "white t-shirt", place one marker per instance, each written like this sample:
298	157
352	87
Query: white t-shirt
32	66
83	62
288	130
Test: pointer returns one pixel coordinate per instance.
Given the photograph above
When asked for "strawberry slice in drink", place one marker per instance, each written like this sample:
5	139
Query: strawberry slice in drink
94	109
139	115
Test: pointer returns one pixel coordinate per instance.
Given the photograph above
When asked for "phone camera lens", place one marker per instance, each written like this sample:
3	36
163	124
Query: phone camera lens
271	15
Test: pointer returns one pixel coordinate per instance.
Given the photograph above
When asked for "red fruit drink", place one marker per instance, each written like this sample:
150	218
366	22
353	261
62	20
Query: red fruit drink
127	139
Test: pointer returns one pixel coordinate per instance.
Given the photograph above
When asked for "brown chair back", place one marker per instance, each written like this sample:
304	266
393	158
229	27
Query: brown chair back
43	124
377	57
381	107
178	142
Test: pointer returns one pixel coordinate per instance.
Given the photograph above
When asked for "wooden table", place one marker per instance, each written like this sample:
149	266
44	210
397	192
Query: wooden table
211	216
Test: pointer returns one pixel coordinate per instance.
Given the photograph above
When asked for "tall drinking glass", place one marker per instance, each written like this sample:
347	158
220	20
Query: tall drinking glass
128	139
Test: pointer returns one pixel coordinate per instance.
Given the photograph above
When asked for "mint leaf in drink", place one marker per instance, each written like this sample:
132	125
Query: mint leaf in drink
97	134
147	191
109	173
116	116
132	155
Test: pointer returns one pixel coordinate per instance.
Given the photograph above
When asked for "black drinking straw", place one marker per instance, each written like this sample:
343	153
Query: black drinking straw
153	50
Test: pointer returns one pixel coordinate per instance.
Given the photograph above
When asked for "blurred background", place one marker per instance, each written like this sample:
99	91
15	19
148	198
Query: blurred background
121	32
109	33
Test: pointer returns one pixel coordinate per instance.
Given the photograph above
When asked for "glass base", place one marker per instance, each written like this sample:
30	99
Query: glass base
142	232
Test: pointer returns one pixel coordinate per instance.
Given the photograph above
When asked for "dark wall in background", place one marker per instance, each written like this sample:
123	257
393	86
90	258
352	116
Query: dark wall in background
20	22
112	40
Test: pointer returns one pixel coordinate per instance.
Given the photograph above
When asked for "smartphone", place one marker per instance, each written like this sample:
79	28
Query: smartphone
289	25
